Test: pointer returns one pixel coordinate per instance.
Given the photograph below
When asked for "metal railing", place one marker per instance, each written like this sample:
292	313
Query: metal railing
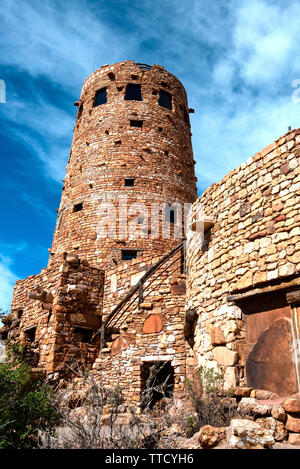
162	270
144	66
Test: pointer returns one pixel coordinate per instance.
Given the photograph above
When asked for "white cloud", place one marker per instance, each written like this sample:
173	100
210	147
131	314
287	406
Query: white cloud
237	61
266	40
7	281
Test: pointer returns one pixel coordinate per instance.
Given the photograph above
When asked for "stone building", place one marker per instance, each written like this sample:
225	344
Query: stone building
124	290
129	183
243	272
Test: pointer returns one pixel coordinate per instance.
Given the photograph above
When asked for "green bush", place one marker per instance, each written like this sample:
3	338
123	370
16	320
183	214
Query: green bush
211	404
26	405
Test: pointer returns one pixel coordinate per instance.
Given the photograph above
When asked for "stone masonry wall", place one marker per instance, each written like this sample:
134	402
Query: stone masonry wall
255	240
57	302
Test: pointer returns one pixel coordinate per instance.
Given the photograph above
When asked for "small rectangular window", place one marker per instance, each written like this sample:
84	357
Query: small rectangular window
129	182
128	255
134	123
165	99
170	215
133	92
78	207
100	97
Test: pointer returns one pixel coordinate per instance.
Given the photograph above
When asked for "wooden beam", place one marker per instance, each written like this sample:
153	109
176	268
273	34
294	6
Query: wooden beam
293	297
204	223
268	289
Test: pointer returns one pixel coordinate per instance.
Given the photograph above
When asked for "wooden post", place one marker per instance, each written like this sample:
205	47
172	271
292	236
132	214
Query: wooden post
293	298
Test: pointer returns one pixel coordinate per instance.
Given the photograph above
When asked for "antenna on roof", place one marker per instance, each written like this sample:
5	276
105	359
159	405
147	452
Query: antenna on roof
94	63
289	127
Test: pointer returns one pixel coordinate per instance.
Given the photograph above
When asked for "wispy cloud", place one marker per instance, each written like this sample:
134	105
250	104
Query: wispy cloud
7	281
236	59
39	206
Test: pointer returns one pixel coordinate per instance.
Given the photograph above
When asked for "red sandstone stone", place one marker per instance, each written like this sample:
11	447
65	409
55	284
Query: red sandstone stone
152	324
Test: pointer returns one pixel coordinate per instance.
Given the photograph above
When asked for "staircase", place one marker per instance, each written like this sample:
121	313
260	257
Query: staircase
155	281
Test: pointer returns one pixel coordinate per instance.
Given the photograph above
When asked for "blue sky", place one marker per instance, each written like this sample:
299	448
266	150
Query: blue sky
236	59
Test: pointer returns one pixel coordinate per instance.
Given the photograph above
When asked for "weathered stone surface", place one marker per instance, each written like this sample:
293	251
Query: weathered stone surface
272	367
292	405
190	443
293	423
247	434
241	391
278	413
210	436
217	336
117	346
277	428
294	438
230	377
263	395
152	324
249	406
224	356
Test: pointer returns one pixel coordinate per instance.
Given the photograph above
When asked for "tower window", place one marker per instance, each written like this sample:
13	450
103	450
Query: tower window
100	97
78	207
170	215
165	99
128	255
129	182
134	123
133	92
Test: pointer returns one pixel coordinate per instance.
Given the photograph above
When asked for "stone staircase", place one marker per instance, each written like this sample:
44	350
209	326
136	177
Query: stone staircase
162	280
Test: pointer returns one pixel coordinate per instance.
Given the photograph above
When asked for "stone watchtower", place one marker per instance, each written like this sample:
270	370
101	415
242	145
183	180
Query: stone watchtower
129	175
131	145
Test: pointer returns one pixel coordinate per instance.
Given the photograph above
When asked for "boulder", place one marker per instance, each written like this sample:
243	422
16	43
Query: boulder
241	391
190	443
277	428
246	434
249	406
293	423
292	405
210	436
263	395
294	438
278	413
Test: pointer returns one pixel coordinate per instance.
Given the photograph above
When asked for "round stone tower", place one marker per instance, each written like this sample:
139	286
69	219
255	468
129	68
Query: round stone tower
131	154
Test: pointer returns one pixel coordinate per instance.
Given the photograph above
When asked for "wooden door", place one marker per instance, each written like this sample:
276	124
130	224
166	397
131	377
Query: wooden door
269	363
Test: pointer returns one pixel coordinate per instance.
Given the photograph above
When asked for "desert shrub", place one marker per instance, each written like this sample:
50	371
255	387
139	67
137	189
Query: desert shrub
210	404
26	405
94	416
